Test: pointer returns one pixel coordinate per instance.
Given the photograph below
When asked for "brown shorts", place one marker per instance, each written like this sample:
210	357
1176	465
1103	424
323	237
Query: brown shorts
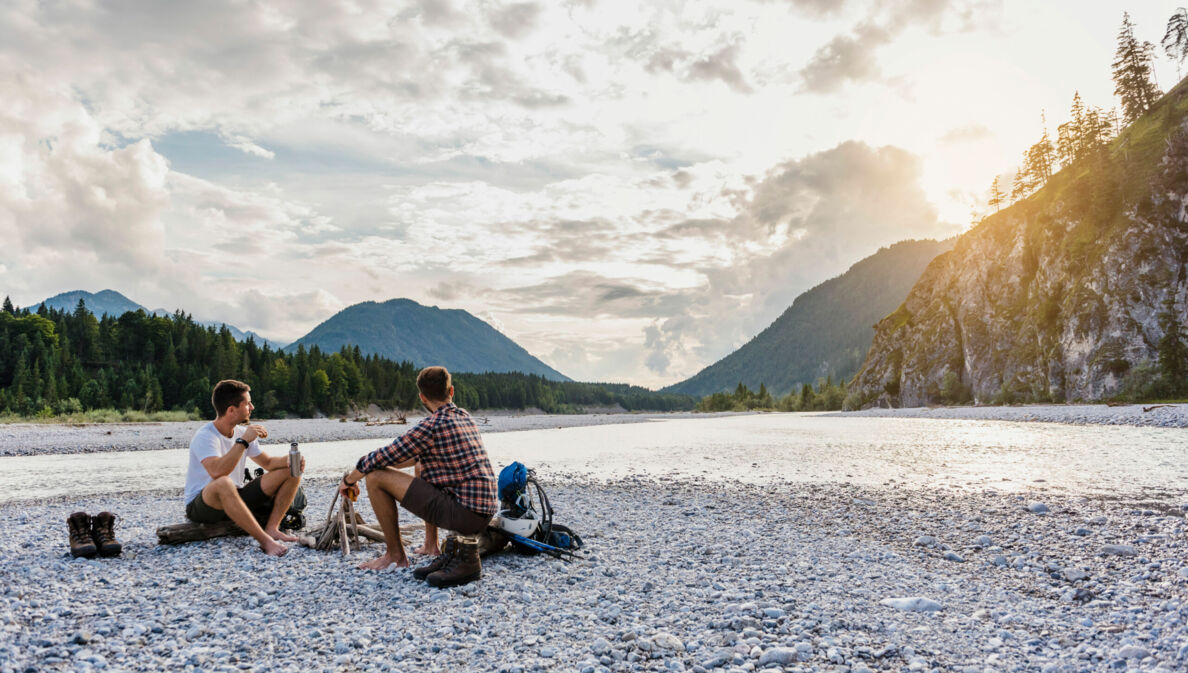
252	494
439	508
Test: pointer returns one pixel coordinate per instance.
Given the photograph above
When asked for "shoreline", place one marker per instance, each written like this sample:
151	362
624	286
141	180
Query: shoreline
674	578
1165	416
30	439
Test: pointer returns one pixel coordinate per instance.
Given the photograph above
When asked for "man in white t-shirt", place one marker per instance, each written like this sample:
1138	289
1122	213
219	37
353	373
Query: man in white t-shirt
214	480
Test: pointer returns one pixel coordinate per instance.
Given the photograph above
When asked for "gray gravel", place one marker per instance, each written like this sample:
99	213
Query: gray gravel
28	439
1166	416
679	576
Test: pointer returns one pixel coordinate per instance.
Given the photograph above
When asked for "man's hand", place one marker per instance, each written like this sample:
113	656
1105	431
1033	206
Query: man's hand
253	432
348	492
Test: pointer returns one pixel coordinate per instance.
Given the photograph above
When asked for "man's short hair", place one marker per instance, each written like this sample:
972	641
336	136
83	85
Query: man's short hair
228	393
434	383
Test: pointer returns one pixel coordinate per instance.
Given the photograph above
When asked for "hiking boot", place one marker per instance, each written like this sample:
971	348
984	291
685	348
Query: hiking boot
463	567
447	552
103	534
81	543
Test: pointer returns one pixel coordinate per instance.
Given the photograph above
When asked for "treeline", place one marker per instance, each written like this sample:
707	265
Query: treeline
55	363
1087	134
827	396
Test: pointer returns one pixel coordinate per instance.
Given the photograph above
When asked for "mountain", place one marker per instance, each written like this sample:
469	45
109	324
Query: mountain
826	331
112	303
402	329
107	302
1078	292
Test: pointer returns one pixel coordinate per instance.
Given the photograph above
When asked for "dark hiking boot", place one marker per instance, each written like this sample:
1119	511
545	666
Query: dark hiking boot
447	552
463	567
103	534
81	543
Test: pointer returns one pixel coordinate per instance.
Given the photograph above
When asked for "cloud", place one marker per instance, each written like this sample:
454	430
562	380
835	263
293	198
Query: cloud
516	20
721	65
965	134
853	56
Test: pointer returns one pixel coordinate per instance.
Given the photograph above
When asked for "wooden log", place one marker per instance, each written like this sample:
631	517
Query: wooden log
343	536
193	532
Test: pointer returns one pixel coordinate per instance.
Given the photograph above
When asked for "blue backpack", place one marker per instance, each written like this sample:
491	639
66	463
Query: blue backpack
520	492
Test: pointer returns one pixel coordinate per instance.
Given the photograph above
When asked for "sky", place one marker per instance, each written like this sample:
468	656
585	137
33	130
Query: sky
630	190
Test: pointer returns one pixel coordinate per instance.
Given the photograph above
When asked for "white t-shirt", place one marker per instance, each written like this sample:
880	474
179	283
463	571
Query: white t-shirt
208	442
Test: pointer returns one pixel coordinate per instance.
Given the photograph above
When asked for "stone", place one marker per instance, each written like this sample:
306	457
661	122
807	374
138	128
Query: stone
1133	652
778	655
925	541
954	556
1119	550
983	541
667	641
1037	508
912	604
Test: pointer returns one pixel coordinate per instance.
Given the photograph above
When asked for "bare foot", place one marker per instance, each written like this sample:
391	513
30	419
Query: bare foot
281	537
274	548
383	562
426	550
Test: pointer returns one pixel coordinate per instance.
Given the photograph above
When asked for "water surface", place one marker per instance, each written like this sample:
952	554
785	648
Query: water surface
1092	460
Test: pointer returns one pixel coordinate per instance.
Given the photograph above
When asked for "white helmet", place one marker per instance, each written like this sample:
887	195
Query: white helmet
524	525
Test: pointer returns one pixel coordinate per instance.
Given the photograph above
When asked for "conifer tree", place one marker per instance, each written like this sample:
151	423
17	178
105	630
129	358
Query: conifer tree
1175	40
1133	72
8	307
996	195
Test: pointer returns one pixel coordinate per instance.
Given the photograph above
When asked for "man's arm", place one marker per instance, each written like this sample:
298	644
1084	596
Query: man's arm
222	466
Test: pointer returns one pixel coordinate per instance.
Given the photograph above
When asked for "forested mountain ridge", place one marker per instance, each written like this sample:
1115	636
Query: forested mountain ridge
1076	292
826	332
56	363
402	329
114	304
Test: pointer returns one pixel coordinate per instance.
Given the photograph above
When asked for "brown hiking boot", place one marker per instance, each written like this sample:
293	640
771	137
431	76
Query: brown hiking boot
103	534
447	552
463	567
81	543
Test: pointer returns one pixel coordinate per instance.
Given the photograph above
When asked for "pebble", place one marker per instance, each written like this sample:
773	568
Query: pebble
912	604
801	597
1119	550
954	556
1038	508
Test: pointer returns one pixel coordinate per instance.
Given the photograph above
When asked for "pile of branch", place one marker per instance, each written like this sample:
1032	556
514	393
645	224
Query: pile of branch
344	527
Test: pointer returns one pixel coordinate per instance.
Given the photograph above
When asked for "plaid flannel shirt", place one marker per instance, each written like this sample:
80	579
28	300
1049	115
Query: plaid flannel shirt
447	445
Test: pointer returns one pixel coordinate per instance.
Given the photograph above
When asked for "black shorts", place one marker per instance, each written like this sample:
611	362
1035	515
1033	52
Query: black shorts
439	508
252	494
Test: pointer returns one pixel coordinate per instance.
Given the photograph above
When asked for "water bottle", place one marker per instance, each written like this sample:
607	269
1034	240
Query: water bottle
294	460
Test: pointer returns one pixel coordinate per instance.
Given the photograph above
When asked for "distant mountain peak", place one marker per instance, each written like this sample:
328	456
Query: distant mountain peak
403	329
826	330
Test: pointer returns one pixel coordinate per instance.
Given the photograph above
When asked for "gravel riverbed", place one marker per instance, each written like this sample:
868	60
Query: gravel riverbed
678	575
28	439
1164	416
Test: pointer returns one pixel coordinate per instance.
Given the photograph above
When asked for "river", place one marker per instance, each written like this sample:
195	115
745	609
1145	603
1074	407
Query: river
1123	461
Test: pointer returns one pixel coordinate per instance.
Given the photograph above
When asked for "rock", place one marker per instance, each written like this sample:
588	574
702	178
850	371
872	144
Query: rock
600	646
667	641
953	556
912	604
1119	550
1037	508
1133	652
778	655
548	652
983	541
1074	574
1082	531
925	541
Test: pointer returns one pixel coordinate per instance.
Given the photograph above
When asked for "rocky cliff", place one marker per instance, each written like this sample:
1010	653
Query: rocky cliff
1070	294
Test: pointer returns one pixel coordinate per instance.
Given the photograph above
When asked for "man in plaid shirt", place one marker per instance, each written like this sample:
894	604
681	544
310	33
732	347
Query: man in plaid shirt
454	487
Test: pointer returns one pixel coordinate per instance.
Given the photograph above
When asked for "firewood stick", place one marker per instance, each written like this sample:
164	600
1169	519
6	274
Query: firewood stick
343	540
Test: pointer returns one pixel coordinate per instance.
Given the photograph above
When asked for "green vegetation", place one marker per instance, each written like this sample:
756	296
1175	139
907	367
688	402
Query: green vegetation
827	396
74	367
